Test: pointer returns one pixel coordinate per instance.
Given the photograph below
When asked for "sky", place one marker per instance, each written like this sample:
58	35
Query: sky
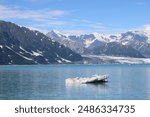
78	16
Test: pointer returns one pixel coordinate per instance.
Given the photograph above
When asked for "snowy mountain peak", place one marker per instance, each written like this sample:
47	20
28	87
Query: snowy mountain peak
55	33
138	40
96	34
99	36
134	36
147	32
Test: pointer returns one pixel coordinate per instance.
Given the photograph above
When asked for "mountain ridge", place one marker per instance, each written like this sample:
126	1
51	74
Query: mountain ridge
135	40
20	45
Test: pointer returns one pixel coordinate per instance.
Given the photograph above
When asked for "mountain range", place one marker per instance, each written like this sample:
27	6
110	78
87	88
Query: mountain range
129	44
20	45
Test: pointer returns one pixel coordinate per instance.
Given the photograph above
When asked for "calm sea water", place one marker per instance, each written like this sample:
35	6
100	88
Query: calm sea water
48	82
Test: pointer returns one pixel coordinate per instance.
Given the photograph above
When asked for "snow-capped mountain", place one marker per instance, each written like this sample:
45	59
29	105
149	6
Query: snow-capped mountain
78	43
19	45
66	41
137	41
115	49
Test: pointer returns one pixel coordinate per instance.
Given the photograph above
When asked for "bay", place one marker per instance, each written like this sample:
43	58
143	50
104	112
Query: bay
47	82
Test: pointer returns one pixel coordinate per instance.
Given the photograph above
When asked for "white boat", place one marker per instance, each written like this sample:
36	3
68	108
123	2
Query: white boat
94	79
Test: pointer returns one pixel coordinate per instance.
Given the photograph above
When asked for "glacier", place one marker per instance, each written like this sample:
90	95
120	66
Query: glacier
103	59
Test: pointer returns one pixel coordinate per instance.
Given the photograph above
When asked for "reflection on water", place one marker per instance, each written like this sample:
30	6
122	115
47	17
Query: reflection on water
48	82
88	90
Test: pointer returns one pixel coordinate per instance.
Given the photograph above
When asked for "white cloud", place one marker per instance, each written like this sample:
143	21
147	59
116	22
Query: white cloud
73	32
97	25
147	27
41	20
89	25
46	19
12	12
37	29
57	13
85	21
57	23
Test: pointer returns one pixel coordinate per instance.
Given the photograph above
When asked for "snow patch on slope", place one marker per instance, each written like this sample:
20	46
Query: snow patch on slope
37	53
20	54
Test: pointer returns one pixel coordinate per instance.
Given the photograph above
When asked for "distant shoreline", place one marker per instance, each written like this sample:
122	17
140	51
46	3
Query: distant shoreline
99	59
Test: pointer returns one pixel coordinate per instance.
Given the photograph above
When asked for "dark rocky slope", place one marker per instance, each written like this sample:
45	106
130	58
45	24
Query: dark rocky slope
19	45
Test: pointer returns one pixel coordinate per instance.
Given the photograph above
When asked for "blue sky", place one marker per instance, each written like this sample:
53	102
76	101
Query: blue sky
77	16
